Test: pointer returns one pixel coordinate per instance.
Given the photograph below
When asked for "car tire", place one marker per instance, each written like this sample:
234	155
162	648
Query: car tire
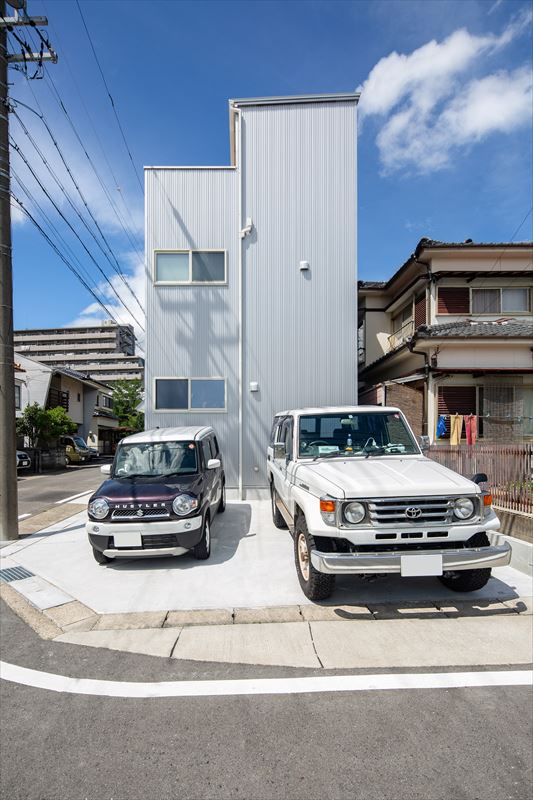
277	517
100	557
202	550
468	580
315	585
222	503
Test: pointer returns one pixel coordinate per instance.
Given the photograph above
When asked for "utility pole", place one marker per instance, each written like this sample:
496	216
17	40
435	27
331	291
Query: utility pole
8	450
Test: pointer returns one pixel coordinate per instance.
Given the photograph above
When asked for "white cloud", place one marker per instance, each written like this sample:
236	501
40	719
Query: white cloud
430	105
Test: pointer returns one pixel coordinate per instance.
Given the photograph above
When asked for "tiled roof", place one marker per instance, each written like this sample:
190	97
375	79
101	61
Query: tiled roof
506	329
371	284
468	243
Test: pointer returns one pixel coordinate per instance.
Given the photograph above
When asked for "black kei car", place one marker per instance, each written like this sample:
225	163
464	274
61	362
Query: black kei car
164	488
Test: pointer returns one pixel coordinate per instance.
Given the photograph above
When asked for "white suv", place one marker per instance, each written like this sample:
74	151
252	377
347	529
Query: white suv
360	497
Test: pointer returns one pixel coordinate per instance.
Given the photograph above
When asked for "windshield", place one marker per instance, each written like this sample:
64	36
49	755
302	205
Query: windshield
79	442
155	459
364	434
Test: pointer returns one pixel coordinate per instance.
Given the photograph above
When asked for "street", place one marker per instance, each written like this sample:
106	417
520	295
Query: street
421	744
37	492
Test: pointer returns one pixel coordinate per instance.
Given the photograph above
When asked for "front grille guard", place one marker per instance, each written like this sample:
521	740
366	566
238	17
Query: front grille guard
443	517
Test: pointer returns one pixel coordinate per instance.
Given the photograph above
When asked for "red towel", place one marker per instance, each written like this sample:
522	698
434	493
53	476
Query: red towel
471	428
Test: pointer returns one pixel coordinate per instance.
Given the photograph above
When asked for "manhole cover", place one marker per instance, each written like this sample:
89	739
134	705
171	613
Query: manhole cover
14	574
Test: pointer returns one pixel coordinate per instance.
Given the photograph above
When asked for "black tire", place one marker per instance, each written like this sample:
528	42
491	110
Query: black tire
100	557
202	550
315	585
468	580
222	503
277	517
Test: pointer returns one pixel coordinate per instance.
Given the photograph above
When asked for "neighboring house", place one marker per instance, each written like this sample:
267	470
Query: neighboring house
106	352
88	402
452	332
251	273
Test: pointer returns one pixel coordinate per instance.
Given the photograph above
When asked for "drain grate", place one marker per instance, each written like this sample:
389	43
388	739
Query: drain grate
14	574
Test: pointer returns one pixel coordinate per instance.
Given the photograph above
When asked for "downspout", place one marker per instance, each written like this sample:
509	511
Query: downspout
427	370
238	159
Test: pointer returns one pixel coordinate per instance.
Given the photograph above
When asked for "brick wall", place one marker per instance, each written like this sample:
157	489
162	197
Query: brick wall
410	401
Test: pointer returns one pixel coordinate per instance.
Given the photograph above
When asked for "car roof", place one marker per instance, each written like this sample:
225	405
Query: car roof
297	412
183	434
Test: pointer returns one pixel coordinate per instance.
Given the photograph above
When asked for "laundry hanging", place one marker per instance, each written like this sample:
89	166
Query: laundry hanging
456	424
471	428
441	427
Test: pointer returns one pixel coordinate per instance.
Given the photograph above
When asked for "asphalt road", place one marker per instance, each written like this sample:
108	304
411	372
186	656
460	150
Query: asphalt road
453	744
37	492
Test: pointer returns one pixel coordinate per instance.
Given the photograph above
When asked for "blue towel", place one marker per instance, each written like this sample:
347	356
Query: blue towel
441	427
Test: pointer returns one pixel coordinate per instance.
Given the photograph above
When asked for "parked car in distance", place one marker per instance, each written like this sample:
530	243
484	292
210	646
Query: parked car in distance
23	460
360	497
93	452
76	449
164	489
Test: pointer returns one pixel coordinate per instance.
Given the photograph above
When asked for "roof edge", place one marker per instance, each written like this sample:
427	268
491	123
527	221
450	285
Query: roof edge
298	99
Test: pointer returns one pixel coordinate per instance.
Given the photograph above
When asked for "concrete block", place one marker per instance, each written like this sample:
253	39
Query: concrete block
314	613
286	644
214	616
522	605
127	622
274	614
43	626
69	613
158	642
40	593
83	625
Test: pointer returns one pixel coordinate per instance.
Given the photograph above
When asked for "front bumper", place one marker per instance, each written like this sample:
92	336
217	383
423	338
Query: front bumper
391	561
186	533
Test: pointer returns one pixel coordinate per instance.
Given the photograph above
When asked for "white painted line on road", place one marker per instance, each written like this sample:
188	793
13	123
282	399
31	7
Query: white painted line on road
23	516
74	497
263	686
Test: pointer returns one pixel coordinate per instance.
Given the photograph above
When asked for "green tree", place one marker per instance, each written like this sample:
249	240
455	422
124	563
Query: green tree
126	397
43	425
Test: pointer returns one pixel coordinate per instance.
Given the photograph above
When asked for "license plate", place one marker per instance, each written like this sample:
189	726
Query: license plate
127	539
426	564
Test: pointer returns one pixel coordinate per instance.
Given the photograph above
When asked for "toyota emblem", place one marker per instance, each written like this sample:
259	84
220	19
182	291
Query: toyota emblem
140	512
413	512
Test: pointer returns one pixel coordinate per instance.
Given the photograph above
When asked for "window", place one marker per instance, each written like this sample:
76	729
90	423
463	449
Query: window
514	300
206	451
460	400
190	394
190	266
453	300
17	397
285	435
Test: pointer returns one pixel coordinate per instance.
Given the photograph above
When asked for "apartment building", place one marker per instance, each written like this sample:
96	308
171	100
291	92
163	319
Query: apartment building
451	332
106	352
252	266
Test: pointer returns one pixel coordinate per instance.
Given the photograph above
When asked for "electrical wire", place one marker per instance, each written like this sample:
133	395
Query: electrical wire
110	99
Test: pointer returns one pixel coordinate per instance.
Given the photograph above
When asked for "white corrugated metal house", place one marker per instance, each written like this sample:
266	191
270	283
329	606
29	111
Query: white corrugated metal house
252	270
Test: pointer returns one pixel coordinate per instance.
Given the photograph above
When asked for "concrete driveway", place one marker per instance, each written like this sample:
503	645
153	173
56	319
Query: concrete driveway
251	566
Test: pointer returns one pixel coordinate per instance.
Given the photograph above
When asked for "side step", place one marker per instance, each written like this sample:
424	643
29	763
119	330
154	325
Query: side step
286	514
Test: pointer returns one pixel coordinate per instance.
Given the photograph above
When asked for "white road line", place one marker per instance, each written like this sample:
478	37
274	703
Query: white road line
23	516
263	686
74	497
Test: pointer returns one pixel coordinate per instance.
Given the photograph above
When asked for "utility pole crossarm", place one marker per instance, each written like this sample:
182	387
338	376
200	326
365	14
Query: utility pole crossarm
13	22
14	58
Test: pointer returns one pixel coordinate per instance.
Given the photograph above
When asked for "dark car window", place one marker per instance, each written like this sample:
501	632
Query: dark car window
153	459
285	435
206	450
214	446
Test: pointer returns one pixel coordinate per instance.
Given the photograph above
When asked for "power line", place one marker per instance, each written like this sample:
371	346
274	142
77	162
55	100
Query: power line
498	258
64	218
116	269
110	98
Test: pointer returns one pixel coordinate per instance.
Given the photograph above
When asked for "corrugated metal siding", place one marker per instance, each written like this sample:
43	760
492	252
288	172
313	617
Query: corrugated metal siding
300	328
192	331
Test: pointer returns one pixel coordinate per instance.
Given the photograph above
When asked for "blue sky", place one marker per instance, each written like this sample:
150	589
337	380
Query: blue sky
445	139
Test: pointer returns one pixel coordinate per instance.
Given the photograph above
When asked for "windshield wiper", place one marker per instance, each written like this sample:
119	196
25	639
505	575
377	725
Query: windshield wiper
376	451
135	475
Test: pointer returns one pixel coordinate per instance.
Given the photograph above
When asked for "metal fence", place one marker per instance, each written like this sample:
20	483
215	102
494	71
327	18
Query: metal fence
509	468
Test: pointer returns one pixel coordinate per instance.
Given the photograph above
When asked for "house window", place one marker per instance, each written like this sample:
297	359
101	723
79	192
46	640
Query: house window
514	300
453	300
17	397
190	266
190	394
460	400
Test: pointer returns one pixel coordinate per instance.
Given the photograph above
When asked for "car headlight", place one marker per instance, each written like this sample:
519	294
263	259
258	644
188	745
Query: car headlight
354	513
463	507
183	504
99	508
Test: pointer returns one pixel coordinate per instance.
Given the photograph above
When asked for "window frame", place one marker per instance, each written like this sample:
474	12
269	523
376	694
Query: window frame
190	281
18	397
499	313
190	409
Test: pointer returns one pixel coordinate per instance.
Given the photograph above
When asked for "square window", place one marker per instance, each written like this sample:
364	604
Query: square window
171	393
172	267
485	301
208	267
515	299
208	393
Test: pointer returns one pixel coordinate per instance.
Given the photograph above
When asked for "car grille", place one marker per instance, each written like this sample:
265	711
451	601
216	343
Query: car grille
392	511
164	540
131	515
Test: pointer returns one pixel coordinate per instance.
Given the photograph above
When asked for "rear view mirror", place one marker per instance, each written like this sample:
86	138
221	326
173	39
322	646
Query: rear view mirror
279	450
213	463
479	477
423	441
105	469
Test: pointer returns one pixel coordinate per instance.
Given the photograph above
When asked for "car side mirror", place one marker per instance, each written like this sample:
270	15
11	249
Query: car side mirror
423	441
105	469
479	477
213	463
279	450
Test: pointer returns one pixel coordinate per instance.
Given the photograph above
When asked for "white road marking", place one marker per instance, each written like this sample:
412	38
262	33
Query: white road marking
23	516
262	686
74	497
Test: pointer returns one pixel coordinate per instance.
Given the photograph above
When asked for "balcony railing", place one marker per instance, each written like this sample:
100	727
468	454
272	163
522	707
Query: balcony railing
56	397
402	334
